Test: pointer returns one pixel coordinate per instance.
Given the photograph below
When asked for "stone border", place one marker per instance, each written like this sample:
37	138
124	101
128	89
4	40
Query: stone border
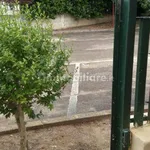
59	121
80	118
73	30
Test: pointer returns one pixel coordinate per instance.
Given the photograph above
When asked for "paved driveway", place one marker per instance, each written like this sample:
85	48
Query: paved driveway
91	66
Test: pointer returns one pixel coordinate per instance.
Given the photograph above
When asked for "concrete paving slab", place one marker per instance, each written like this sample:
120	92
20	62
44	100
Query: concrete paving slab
91	55
90	44
60	109
67	90
94	102
96	76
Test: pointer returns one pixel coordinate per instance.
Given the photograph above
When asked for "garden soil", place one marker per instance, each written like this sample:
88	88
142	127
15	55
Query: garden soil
80	136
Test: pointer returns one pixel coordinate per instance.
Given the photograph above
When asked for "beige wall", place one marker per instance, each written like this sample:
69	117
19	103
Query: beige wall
66	21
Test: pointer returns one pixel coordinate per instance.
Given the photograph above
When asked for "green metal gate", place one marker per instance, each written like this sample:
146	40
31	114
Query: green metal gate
125	25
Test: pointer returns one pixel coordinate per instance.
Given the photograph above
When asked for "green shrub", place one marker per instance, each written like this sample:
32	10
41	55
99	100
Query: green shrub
33	68
77	8
143	7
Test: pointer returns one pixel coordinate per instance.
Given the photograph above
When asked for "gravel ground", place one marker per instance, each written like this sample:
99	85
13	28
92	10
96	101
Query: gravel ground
83	136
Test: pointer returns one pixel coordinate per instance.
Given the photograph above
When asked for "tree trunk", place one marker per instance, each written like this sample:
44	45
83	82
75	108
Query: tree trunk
22	128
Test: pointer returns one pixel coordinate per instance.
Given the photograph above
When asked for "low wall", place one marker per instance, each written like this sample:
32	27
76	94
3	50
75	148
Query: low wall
140	138
67	21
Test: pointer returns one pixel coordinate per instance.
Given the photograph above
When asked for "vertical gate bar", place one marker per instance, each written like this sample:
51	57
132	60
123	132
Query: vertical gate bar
149	108
114	119
122	73
141	71
129	11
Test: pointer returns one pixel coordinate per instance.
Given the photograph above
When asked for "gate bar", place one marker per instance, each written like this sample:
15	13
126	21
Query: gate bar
149	108
141	71
125	22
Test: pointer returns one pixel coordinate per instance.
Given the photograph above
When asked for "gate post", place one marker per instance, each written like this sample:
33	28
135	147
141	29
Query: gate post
125	23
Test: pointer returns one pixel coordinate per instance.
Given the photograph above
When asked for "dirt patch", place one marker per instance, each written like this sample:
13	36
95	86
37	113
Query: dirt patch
84	136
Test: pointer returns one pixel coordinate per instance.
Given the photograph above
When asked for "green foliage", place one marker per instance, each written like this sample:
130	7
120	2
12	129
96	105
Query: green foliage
143	7
33	68
77	8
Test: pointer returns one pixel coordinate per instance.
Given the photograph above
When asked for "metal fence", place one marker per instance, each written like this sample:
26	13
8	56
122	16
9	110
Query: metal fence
125	24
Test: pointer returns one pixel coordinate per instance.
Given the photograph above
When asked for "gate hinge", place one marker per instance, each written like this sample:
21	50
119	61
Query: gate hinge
126	138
